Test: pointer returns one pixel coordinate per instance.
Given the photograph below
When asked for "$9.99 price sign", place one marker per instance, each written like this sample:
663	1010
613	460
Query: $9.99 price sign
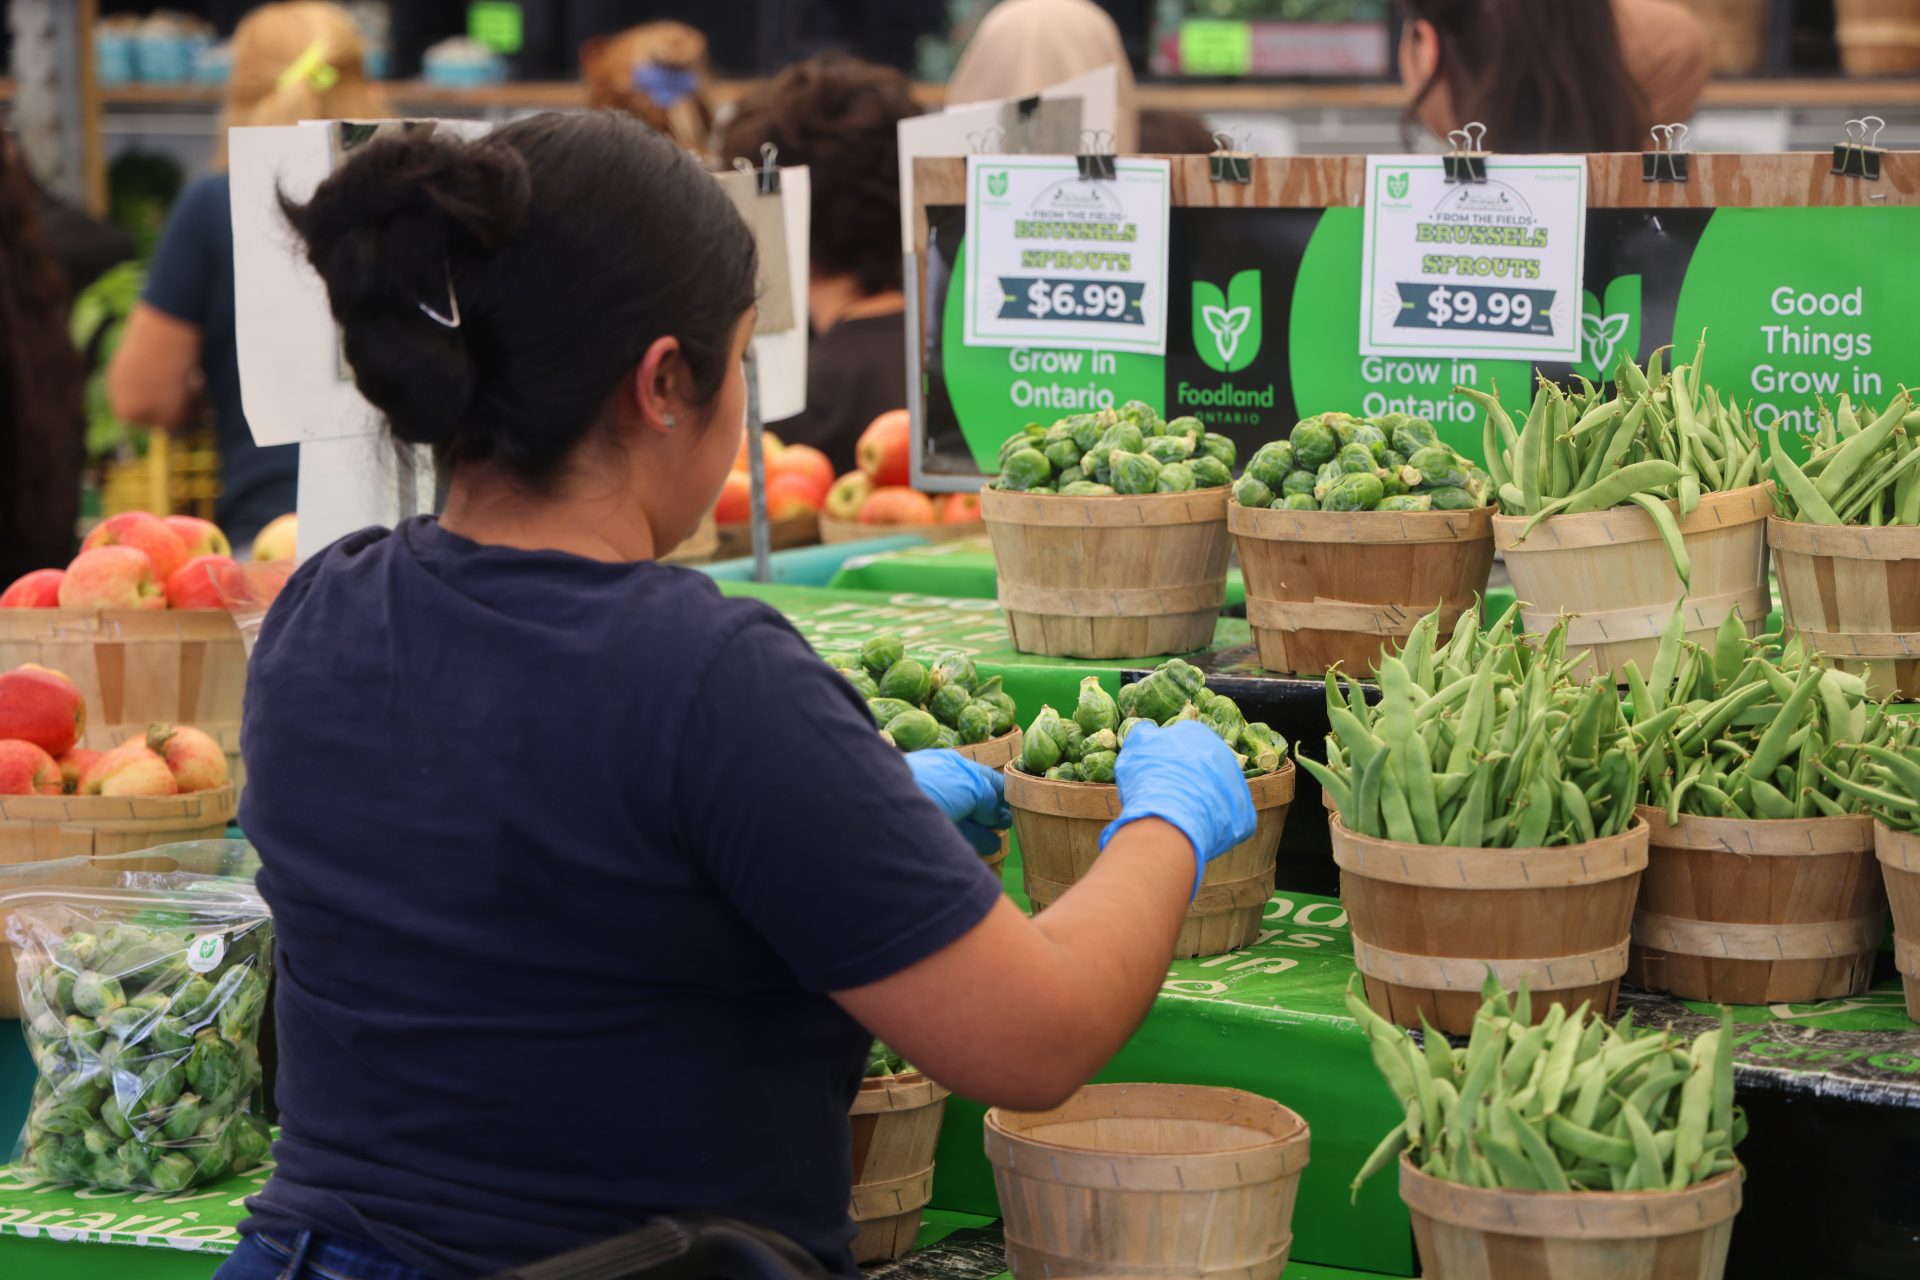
1057	260
1484	270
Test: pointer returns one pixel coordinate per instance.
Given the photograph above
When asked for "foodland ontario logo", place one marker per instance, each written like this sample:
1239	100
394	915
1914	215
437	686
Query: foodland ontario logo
997	183
1398	184
1226	328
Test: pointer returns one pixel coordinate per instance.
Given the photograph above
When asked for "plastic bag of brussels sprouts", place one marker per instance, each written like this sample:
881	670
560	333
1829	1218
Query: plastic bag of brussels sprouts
142	1011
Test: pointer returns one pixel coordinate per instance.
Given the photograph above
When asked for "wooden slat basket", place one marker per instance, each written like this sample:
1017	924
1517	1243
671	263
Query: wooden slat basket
896	1126
1059	826
1480	1233
1754	912
1878	37
1430	921
1611	569
1109	577
996	753
1327	587
1149	1181
1854	595
1899	855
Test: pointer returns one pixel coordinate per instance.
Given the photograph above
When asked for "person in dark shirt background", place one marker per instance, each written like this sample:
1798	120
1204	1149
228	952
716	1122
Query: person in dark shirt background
837	115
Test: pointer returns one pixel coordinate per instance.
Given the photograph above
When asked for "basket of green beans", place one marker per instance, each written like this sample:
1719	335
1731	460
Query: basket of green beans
1574	1149
1892	790
1756	761
1484	819
1846	540
1615	506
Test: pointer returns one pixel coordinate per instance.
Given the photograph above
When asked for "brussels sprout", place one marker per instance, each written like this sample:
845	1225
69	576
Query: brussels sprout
1032	436
913	730
881	652
1298	482
60	1159
1225	719
1344	426
251	1142
1355	458
193	1002
172	1172
840	660
98	1141
1406	502
1122	437
1065	772
1186	712
1073	475
1134	473
1325	478
1142	415
1085	430
1127	726
77	951
1210	473
166	1079
61	1119
1413	435
1353	493
1026	469
213	1067
975	722
1188	426
1005	714
1086	489
1073	741
1439	467
906	680
1168	449
86	1035
947	702
1096	709
885	709
1125	699
133	949
1270	465
56	988
1040	747
1372	437
115	1119
129	1023
1251	493
1062	454
1395	481
1097	766
1159	699
1220	448
947	739
1175	477
239	1018
1393	458
1263	748
94	994
1314	444
861	681
1451	499
182	1118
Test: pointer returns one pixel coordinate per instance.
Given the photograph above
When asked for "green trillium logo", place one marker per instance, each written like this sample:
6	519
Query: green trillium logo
1397	184
1226	328
997	183
1609	329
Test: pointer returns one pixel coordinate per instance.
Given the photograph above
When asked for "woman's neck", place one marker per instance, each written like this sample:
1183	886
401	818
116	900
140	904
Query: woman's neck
484	508
831	299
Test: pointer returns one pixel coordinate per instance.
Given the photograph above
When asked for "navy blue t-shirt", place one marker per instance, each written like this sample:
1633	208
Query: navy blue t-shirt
191	279
563	858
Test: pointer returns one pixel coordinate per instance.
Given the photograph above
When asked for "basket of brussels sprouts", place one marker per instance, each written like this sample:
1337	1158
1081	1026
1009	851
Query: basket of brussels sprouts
940	703
1108	533
1349	531
1062	794
896	1126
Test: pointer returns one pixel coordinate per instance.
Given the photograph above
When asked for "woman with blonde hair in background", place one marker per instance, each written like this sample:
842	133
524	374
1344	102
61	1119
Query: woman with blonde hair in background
291	62
658	73
1024	46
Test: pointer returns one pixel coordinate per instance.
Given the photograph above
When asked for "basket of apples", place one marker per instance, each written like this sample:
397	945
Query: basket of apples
875	500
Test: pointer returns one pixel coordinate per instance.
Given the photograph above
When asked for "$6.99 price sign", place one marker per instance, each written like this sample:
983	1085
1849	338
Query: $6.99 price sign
1484	270
1057	260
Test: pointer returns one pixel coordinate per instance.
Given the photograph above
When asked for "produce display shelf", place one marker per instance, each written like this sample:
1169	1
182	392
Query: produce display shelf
963	569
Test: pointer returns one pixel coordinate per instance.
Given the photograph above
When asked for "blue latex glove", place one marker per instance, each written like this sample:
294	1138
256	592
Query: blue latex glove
1184	774
973	795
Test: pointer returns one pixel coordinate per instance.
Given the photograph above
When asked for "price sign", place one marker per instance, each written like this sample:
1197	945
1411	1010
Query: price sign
1482	270
1057	260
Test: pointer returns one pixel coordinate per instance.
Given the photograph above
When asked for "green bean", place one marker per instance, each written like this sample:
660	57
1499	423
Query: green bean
1696	1110
1669	533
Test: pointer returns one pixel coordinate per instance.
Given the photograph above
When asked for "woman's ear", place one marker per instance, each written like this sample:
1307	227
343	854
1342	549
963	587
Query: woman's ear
659	385
1419	53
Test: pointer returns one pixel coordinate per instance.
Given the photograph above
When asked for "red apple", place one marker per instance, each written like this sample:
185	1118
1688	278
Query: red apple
138	529
808	463
885	450
959	508
791	497
201	537
41	707
197	762
74	764
280	540
735	505
117	577
130	769
770	448
38	590
895	505
27	770
196	584
848	492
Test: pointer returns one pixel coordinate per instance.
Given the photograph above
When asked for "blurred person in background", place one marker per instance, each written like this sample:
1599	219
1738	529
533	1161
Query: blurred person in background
1024	46
1579	77
1176	133
291	62
837	115
40	388
659	73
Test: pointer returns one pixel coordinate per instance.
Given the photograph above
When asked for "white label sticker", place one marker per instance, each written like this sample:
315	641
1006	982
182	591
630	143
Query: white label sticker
205	952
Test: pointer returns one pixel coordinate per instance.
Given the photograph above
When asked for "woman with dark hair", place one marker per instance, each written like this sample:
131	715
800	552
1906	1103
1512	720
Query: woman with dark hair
837	115
591	886
1560	76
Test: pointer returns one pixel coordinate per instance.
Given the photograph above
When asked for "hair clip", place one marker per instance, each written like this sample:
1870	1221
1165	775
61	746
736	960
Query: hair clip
453	302
311	66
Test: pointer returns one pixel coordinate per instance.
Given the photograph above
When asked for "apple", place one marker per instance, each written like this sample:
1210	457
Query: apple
38	590
735	505
893	504
280	540
130	769
807	462
202	537
41	707
770	448
27	770
885	450
196	584
194	758
147	532
116	577
74	764
791	497
959	508
848	492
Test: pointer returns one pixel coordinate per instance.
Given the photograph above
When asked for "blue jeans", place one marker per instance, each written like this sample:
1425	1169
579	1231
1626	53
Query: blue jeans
310	1256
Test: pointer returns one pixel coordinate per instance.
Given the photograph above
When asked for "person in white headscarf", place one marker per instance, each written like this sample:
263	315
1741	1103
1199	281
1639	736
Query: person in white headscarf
1024	46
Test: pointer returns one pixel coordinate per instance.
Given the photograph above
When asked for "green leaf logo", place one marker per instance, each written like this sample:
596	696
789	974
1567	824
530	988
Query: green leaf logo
1226	329
1609	330
997	183
1397	184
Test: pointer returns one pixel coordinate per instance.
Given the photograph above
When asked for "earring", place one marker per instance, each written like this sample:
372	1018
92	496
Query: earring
668	421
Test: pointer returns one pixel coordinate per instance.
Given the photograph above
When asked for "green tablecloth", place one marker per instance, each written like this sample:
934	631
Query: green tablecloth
961	569
52	1232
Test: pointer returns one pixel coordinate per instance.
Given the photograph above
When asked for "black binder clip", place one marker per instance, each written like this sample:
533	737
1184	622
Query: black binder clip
1228	164
1096	156
1024	111
1467	162
1859	156
1666	162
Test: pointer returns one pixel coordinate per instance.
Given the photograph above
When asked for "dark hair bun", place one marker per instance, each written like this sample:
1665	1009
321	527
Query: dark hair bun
392	229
